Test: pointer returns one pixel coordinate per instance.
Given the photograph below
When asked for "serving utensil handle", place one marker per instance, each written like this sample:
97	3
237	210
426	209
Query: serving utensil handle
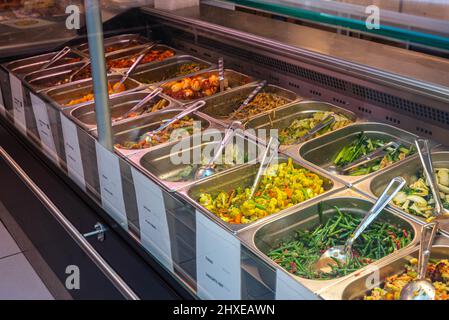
329	120
428	233
230	131
153	94
379	152
57	57
221	76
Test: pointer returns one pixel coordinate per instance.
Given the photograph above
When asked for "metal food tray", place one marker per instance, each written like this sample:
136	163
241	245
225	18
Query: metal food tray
262	239
120	40
84	115
132	129
320	152
356	287
244	177
155	75
235	80
373	186
62	95
282	118
25	66
130	53
158	163
47	79
222	105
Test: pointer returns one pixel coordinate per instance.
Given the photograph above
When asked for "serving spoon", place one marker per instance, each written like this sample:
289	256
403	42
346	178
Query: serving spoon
376	154
153	94
209	169
422	289
343	254
272	146
190	109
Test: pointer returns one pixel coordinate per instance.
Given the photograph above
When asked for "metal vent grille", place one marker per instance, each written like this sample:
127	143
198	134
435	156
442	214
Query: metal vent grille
361	92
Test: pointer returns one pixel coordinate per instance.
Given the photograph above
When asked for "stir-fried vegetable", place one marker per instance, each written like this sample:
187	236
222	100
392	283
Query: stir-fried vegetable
437	273
153	55
300	127
417	198
300	254
262	102
363	145
161	104
282	186
113	89
185	124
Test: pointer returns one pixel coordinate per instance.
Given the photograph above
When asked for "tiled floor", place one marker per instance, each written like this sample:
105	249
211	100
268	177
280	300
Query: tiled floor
18	280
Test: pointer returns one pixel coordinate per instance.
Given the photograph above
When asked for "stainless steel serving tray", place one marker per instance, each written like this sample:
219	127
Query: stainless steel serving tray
48	78
159	164
235	80
134	128
62	95
321	151
129	53
25	66
264	237
244	177
155	75
222	105
282	118
373	186
122	41
356	287
85	115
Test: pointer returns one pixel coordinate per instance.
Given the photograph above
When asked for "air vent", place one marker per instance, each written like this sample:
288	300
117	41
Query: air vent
392	120
365	110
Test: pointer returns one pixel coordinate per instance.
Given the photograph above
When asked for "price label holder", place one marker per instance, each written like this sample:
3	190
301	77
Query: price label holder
43	127
111	188
288	288
72	150
18	104
218	261
2	104
154	231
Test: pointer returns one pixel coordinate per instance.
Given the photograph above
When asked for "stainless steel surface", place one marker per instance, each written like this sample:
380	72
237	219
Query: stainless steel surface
133	129
221	106
123	41
25	66
264	237
233	78
62	95
283	117
408	169
159	165
168	69
357	286
343	254
422	289
244	177
84	115
107	270
321	151
52	77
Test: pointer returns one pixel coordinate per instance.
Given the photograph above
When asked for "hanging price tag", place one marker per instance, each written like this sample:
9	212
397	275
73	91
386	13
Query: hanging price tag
111	184
289	289
72	149
43	127
217	261
154	231
18	103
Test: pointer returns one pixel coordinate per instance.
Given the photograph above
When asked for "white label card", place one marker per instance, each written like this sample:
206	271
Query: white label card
218	257
111	184
154	231
72	149
2	103
43	127
18	104
288	288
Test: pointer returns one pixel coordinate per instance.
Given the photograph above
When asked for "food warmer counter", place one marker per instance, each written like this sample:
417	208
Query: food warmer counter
206	232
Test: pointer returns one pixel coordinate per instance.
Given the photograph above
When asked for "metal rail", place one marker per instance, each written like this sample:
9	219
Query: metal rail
96	258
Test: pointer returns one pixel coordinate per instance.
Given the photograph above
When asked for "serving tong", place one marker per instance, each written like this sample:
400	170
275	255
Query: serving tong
153	94
376	154
343	254
58	56
221	76
327	121
250	98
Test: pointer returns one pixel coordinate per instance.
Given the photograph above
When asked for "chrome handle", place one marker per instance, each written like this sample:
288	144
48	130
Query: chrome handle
330	119
428	233
230	131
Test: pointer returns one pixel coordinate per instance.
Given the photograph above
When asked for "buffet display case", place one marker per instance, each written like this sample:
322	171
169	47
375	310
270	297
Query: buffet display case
212	248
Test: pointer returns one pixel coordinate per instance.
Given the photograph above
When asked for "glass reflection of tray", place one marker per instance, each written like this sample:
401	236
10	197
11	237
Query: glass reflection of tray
26	23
